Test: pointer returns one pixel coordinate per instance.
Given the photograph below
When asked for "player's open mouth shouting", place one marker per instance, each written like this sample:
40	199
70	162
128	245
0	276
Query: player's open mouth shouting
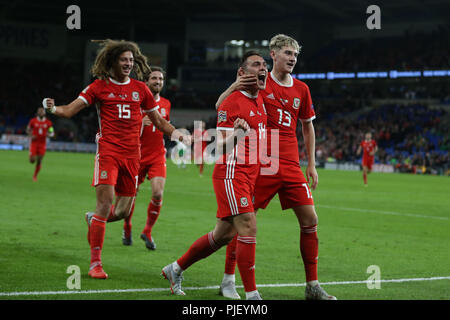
261	79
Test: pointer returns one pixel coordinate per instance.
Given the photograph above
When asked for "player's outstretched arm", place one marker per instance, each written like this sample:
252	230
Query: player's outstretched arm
242	82
65	111
309	137
165	127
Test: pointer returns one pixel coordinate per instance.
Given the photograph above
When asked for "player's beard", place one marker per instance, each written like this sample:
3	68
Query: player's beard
155	91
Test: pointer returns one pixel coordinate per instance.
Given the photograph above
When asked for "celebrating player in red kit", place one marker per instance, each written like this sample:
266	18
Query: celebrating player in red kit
39	128
120	101
200	137
369	147
287	100
234	178
153	162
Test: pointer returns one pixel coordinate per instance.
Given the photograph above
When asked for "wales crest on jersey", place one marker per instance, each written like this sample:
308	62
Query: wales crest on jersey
296	104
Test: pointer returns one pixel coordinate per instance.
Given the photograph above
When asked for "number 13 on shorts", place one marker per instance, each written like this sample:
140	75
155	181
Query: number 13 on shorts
308	192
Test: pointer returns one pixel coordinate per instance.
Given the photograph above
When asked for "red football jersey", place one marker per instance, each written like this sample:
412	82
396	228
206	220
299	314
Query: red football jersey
39	129
119	108
152	140
285	105
244	158
368	147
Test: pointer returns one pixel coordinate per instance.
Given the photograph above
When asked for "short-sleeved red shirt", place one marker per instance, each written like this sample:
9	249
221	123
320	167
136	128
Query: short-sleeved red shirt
39	129
152	140
244	158
285	105
368	147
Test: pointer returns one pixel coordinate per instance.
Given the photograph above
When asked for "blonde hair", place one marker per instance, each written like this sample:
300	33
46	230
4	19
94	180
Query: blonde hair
110	53
282	40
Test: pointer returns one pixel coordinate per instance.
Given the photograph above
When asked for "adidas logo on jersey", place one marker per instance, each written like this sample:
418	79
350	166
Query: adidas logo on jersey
111	95
252	114
270	96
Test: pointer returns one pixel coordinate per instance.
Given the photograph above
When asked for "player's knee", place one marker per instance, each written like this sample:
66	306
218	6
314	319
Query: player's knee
157	194
248	230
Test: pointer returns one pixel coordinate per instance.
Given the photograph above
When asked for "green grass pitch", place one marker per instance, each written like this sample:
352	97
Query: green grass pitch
400	223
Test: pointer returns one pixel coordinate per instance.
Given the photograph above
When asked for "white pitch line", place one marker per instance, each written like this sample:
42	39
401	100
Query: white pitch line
393	213
276	285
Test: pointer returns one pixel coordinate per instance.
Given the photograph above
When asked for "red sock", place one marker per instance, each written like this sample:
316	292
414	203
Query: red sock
309	249
245	257
36	170
153	209
230	256
127	222
365	177
201	248
97	236
112	217
201	168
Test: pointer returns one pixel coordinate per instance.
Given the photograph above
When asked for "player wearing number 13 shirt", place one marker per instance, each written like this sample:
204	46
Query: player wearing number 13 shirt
120	102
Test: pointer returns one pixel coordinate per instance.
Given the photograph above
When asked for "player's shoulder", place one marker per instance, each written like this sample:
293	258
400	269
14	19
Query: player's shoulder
232	100
94	85
137	84
98	83
164	101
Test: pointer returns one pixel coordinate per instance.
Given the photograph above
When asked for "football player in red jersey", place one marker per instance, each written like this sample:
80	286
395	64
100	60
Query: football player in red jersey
200	137
120	101
153	162
369	148
39	128
287	100
234	178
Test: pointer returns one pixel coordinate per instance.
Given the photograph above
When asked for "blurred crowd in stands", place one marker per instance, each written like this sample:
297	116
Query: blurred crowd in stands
415	50
412	137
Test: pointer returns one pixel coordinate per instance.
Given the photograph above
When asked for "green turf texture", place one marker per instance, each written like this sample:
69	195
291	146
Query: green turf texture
400	222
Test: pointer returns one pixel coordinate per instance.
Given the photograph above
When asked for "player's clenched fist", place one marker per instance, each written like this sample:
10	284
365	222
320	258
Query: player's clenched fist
49	105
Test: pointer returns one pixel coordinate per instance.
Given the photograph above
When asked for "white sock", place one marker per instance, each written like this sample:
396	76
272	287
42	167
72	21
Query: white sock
313	283
177	268
229	277
251	294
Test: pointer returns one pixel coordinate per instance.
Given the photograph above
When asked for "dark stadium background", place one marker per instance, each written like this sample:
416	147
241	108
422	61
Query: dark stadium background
199	43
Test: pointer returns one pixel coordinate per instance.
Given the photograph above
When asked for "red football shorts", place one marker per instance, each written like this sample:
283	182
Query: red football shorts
234	196
121	173
151	171
290	184
368	162
37	149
